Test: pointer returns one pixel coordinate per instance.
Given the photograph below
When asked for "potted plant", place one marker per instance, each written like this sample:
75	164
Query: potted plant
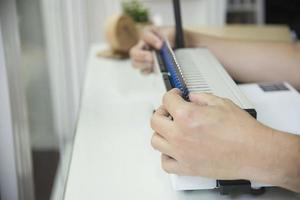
138	12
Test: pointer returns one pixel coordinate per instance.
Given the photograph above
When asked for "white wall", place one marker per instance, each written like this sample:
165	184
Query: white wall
194	12
97	12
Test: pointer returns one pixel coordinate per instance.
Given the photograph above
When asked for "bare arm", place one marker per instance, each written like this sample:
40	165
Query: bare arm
253	61
246	149
245	61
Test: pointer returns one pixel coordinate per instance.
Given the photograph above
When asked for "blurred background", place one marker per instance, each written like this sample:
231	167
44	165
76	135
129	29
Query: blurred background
44	47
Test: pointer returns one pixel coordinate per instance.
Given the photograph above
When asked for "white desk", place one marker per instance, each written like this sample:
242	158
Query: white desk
112	155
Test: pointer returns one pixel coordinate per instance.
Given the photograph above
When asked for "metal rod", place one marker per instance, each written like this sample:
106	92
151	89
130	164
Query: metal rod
179	38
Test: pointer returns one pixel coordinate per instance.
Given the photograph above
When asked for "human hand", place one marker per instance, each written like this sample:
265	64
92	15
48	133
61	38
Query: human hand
209	137
151	38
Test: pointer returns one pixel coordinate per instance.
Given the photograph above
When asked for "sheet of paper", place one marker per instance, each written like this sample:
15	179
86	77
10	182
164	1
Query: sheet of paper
278	108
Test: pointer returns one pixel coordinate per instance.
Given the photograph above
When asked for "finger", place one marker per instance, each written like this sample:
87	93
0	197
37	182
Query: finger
161	144
169	164
146	71
173	102
162	111
162	125
156	31
138	53
142	65
152	38
204	99
141	44
142	56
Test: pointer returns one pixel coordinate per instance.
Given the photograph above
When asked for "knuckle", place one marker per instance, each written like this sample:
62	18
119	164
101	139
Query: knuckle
189	118
184	113
170	93
146	35
131	51
153	122
153	141
165	98
181	113
145	30
164	166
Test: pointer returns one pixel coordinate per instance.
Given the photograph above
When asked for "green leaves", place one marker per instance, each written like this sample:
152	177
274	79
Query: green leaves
136	10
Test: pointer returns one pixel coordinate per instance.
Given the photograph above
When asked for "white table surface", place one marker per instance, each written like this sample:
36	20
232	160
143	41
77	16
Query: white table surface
112	156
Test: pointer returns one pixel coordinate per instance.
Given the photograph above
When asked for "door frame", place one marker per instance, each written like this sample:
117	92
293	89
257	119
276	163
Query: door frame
66	46
16	172
65	28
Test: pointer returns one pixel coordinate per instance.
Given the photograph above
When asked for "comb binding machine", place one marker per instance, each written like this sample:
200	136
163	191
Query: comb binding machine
197	70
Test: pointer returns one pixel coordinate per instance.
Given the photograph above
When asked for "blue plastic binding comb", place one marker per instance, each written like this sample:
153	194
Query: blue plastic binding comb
174	70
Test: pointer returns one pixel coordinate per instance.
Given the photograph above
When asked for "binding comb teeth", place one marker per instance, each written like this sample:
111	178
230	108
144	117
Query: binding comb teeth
174	69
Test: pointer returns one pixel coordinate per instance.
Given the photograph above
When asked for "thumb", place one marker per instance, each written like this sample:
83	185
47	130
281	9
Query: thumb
204	99
153	38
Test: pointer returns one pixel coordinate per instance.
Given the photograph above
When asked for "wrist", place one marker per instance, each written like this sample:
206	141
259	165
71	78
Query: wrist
197	39
191	40
275	159
287	161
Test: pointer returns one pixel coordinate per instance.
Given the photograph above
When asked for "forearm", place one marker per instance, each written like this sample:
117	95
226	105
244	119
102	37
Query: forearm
253	61
275	160
285	162
249	61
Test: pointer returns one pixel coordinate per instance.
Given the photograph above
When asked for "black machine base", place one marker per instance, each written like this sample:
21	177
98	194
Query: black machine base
242	186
